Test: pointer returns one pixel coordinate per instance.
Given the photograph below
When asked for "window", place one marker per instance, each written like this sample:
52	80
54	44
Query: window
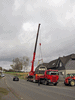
53	64
60	64
57	64
70	75
73	74
42	68
62	73
52	73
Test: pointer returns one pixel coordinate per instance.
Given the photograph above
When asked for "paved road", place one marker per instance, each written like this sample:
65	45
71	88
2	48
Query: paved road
25	90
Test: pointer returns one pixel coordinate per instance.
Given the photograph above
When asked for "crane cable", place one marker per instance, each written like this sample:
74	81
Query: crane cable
40	60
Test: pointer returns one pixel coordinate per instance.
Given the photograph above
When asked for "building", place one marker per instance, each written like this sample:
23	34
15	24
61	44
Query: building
64	65
40	69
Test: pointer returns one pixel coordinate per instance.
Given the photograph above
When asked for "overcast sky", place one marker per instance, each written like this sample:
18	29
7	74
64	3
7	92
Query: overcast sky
19	21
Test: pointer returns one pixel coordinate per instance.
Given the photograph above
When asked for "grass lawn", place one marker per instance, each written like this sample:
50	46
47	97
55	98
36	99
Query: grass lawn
21	75
3	92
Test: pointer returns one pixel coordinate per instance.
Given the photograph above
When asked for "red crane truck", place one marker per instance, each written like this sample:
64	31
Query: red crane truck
50	76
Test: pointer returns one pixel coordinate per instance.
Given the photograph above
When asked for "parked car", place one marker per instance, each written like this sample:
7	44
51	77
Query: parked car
2	75
70	79
15	78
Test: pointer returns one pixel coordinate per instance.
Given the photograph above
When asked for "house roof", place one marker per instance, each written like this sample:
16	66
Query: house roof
63	59
52	63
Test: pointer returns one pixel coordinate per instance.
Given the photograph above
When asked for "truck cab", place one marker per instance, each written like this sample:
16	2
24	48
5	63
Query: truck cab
49	77
52	75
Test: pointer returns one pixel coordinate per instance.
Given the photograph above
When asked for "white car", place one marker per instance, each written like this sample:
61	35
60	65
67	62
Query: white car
2	75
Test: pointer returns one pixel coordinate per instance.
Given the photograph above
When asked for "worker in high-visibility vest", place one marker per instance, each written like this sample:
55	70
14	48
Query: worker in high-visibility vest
36	75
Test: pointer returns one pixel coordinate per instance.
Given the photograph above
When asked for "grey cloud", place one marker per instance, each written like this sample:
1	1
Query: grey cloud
72	1
57	32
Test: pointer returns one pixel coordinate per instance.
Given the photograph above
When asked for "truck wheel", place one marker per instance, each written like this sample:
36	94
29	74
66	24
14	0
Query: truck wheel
55	84
72	83
18	79
66	84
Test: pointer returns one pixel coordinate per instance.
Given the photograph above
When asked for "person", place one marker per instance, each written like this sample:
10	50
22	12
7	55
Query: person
39	82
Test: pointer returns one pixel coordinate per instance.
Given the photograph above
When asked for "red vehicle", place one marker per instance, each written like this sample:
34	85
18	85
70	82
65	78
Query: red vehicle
50	76
70	79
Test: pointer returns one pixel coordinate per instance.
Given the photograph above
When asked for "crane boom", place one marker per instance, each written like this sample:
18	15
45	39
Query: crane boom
32	66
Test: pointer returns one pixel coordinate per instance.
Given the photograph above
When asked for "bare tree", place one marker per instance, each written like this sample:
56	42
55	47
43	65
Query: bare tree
0	68
17	64
25	62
